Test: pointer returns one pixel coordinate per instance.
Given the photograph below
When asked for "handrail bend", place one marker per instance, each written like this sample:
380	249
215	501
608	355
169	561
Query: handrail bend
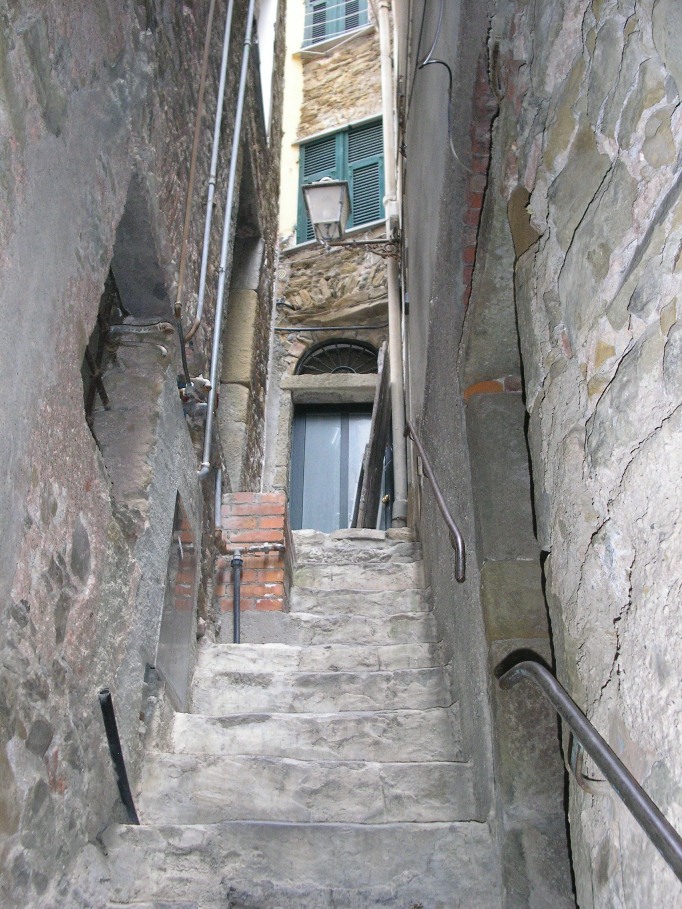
456	538
647	814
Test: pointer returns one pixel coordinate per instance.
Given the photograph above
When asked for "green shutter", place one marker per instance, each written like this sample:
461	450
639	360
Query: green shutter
366	172
356	155
366	192
365	141
319	159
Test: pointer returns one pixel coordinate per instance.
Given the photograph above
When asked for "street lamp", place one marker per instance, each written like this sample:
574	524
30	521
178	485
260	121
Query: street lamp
328	206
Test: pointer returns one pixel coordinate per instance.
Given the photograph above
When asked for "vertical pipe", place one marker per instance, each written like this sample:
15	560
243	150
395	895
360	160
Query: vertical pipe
116	753
395	345
218	501
236	564
220	103
227	237
193	160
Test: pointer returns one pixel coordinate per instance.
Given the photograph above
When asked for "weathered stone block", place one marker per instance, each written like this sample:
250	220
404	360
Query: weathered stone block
513	602
238	350
501	477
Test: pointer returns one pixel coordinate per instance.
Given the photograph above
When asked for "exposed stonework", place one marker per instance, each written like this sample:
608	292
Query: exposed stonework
590	127
354	71
97	106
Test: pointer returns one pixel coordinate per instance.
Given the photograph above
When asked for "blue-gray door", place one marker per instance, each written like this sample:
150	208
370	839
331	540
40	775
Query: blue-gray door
327	450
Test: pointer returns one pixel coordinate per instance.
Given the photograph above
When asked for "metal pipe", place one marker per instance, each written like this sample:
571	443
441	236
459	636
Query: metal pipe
193	162
395	343
183	350
236	563
456	538
218	500
647	814
220	103
227	237
116	753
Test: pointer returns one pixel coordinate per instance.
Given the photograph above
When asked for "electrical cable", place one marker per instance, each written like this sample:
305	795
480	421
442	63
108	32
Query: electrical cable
429	60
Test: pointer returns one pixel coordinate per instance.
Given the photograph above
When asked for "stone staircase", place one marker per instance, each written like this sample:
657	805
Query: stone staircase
321	766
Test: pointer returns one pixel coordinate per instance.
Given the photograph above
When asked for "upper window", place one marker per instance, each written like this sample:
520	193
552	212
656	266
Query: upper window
355	154
327	18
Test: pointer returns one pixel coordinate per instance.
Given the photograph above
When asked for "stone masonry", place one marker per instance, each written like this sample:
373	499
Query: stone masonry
590	129
97	108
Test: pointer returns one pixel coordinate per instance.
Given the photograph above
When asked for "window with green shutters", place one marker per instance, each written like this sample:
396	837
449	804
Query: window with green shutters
355	154
327	18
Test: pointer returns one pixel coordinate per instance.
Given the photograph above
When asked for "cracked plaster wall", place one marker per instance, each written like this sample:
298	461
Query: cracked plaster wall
591	127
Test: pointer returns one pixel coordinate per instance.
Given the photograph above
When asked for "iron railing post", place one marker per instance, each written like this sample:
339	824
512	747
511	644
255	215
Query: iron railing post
116	753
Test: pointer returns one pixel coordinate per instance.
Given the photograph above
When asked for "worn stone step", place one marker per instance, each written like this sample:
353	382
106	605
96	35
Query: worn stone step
387	575
206	789
237	657
358	602
437	866
217	694
343	549
303	629
415	735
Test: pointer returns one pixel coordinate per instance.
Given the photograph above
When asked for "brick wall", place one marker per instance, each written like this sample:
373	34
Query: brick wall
251	521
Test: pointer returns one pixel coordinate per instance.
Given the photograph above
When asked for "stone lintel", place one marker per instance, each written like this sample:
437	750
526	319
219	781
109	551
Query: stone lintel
331	389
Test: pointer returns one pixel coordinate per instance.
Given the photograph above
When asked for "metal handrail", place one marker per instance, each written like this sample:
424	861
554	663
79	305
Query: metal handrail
647	814
456	538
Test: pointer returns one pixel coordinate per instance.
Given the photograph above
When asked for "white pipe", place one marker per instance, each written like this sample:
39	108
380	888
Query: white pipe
218	501
226	243
220	103
395	346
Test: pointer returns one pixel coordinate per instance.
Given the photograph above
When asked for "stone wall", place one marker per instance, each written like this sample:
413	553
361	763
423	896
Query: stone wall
93	97
354	71
590	132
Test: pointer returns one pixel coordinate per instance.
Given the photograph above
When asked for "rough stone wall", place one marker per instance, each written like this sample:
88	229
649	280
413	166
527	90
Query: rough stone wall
590	127
354	71
90	94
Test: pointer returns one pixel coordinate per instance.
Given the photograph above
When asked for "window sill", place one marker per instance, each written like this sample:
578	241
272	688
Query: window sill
353	232
322	48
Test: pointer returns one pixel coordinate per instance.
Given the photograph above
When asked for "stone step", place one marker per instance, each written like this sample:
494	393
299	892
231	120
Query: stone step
217	694
206	789
270	657
314	547
303	629
306	866
416	735
388	575
358	602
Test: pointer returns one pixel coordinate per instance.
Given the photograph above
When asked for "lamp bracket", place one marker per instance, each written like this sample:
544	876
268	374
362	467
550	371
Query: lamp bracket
384	247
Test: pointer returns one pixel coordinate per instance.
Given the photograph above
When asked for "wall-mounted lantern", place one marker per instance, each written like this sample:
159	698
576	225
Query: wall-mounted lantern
329	207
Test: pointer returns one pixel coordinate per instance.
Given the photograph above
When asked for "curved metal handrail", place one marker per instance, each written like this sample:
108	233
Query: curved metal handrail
456	538
647	814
